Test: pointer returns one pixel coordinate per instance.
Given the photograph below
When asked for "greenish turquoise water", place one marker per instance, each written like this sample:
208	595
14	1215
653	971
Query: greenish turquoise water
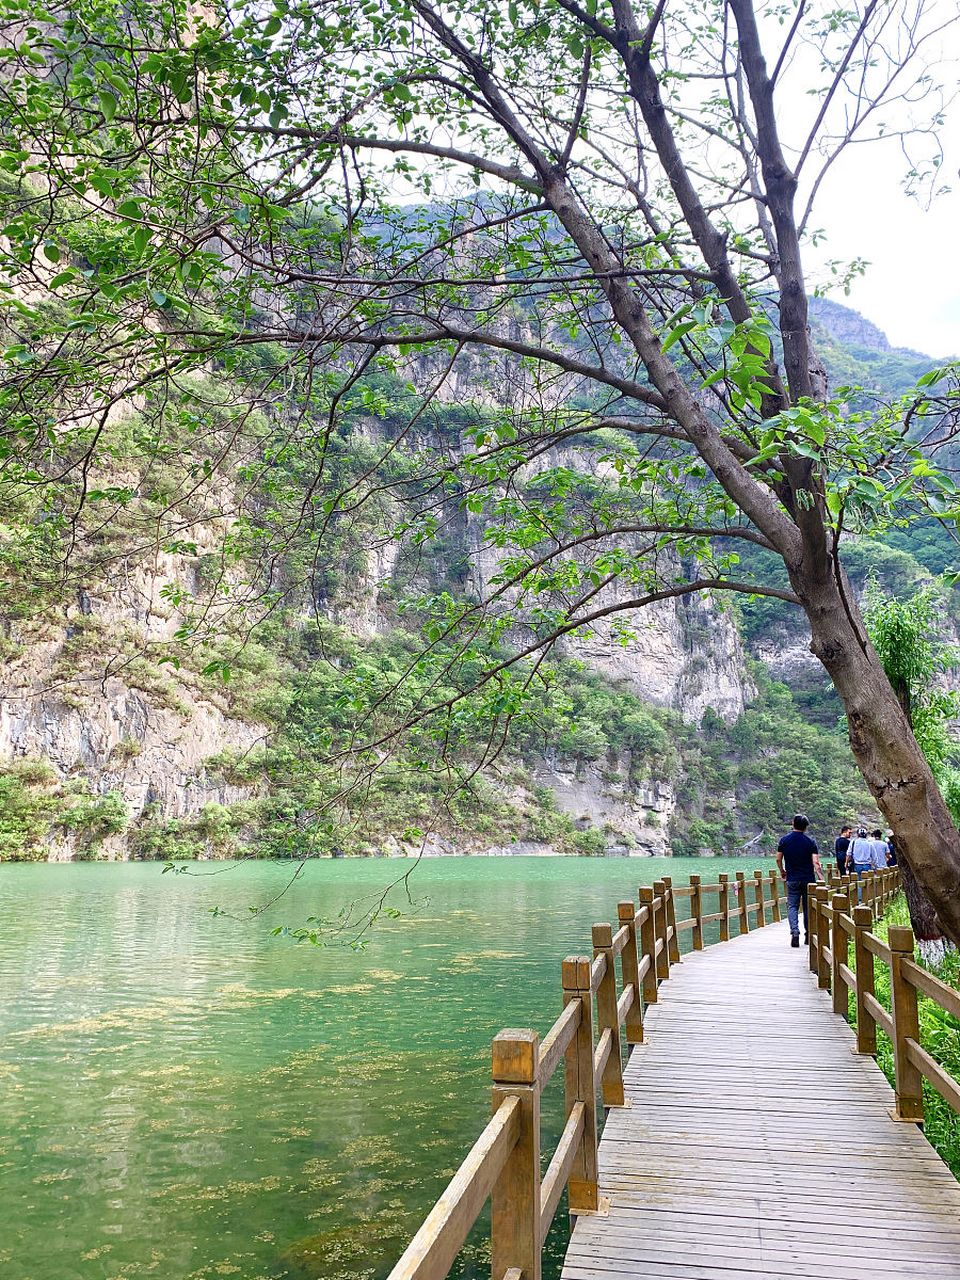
187	1097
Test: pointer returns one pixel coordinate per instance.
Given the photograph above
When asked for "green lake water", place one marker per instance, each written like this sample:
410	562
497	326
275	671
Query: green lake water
185	1096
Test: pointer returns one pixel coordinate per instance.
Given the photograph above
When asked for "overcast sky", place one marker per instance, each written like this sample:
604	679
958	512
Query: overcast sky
912	288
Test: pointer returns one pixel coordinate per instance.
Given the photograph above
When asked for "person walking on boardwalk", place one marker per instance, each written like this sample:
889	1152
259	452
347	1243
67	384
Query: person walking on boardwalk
879	851
860	853
798	860
840	847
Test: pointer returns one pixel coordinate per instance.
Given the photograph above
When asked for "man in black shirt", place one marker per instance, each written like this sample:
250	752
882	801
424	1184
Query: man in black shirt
840	847
798	860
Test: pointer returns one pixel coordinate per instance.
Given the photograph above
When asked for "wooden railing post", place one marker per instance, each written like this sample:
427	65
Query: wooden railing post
841	954
580	1086
672	920
648	943
724	907
696	910
515	1238
630	965
611	1077
775	897
823	932
906	1025
744	905
866	1026
761	907
660	917
813	926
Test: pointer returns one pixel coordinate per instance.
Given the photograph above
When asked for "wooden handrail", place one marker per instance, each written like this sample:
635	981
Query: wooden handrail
831	930
555	1179
879	1014
558	1039
433	1249
602	1000
940	992
601	1055
934	1074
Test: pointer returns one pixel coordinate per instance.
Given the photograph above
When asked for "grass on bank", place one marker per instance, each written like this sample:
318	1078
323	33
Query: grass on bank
939	1035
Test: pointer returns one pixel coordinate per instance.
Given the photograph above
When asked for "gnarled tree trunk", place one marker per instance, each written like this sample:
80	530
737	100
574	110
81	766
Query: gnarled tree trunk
892	764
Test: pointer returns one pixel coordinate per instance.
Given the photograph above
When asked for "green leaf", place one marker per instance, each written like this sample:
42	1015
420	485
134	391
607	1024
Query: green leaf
273	26
51	252
108	105
677	333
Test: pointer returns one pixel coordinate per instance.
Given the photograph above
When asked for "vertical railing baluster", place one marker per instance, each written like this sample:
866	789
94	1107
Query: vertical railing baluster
580	1086
672	920
824	917
758	893
630	966
661	920
744	905
611	1078
863	959
775	897
515	1201
841	954
906	1025
696	910
648	942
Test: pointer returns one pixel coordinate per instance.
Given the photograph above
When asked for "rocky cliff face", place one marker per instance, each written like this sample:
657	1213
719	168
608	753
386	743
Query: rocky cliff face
86	695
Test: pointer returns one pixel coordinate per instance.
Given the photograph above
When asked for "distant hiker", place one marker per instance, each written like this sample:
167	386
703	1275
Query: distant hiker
840	847
891	850
798	860
860	853
878	850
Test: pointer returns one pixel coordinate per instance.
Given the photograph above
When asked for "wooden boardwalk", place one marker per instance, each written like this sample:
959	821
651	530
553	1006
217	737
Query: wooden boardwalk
756	1143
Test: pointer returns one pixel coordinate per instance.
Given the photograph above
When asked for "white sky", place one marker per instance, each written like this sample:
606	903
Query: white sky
912	288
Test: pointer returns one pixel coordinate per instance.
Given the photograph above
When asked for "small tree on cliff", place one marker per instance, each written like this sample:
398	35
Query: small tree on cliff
611	200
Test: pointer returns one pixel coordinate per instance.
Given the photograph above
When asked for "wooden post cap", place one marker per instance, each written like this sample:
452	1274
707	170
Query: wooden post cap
602	935
724	877
695	879
646	893
900	938
575	973
862	917
840	902
668	881
626	911
516	1056
741	875
658	887
757	874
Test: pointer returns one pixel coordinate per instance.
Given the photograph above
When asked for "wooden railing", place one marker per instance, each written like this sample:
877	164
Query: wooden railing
504	1163
836	926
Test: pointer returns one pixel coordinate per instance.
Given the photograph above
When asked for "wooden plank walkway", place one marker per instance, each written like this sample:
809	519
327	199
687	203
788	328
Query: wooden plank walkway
756	1143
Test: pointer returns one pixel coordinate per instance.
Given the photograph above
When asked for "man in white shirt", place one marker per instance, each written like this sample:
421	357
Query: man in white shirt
878	851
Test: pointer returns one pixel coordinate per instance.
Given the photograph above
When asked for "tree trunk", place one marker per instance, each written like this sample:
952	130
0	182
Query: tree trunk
893	767
923	917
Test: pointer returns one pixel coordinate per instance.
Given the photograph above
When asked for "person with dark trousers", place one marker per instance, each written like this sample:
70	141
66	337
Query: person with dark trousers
840	847
798	860
891	850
